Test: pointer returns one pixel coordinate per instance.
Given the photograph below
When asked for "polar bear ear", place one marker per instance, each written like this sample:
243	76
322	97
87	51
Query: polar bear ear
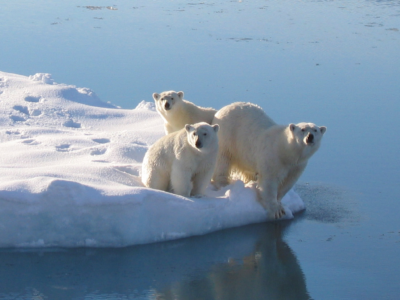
180	94
156	96
292	127
188	127
215	127
323	129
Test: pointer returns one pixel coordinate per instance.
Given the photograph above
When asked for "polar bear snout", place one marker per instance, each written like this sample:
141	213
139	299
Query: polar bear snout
167	105
310	138
198	144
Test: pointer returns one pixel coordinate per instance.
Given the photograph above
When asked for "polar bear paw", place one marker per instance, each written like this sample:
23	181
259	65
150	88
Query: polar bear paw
275	211
220	182
197	196
279	213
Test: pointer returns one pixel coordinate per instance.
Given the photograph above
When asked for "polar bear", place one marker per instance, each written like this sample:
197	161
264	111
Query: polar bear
176	112
182	162
276	155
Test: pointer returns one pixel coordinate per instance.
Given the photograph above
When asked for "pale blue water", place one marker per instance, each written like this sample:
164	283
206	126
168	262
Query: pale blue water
334	63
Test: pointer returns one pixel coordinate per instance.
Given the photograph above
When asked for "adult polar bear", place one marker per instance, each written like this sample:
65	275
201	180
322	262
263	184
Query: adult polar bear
183	161
252	143
177	112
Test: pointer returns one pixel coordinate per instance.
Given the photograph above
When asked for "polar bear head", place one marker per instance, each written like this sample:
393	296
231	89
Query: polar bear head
308	136
202	136
166	101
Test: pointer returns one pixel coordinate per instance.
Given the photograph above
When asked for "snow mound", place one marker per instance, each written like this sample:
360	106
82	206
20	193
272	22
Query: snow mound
70	174
146	105
42	77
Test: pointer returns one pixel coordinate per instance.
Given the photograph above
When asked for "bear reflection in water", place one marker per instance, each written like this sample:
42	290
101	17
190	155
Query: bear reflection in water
250	262
270	271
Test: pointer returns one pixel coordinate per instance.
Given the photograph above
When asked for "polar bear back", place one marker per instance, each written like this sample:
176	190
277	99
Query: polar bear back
192	114
161	155
241	125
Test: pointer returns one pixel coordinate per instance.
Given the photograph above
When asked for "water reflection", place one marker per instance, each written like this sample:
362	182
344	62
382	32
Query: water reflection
252	262
270	271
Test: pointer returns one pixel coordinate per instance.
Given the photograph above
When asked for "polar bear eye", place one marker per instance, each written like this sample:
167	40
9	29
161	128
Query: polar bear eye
303	130
204	134
315	130
194	133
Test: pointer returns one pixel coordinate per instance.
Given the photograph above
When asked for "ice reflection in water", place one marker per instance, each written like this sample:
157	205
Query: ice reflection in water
251	262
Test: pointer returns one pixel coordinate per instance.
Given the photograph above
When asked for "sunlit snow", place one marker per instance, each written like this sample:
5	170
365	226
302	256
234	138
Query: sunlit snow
70	174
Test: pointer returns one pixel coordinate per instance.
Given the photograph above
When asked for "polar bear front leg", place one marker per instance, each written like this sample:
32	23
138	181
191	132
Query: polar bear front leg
291	178
200	182
268	197
181	183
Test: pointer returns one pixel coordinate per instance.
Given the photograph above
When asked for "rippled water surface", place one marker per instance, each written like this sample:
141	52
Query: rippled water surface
334	63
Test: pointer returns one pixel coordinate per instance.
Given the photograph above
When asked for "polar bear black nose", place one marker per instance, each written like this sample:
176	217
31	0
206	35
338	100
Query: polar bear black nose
310	138
167	106
198	144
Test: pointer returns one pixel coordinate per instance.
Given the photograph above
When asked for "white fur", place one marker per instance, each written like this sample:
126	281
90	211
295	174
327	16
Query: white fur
176	112
183	161
252	143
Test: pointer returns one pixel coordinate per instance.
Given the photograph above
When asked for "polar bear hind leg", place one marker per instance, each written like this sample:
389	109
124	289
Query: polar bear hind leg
221	176
157	180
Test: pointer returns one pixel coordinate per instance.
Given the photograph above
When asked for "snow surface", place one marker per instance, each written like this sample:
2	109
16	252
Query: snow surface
70	174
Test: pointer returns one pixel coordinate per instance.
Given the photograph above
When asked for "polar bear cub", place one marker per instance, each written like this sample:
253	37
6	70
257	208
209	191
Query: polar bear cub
252	143
176	112
183	161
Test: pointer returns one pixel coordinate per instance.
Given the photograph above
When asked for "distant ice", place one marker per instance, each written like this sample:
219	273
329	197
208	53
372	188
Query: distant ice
70	167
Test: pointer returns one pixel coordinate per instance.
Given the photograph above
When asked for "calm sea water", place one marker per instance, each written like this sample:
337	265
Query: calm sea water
334	63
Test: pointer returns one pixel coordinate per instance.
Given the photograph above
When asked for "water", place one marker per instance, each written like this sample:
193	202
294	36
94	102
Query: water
334	63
